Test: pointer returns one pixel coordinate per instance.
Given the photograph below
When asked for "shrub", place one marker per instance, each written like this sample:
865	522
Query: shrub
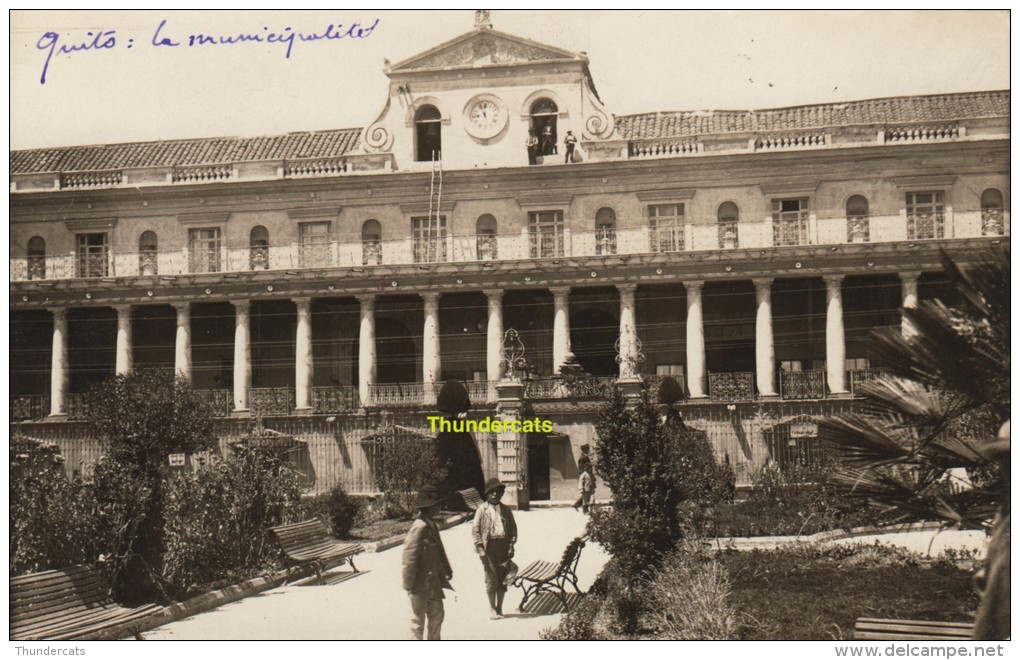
49	521
216	519
579	623
664	478
58	522
687	596
342	511
338	510
402	468
787	502
147	415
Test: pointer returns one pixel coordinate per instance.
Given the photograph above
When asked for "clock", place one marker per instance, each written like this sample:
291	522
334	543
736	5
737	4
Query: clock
485	116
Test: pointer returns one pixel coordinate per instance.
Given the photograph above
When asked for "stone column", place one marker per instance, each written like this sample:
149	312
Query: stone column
835	342
628	331
494	338
512	446
908	280
124	343
182	354
764	344
58	364
431	364
366	347
242	355
561	326
303	361
695	340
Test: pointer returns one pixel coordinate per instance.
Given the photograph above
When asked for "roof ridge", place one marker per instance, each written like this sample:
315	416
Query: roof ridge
211	138
667	113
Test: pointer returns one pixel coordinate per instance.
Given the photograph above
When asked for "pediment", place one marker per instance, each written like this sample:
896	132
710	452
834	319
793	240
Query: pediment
484	48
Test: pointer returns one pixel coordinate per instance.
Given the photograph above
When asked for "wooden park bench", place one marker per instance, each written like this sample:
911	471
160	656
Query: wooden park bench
308	543
70	604
893	629
471	499
552	577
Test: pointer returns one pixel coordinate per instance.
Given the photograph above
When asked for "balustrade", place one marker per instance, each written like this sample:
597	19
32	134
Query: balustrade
401	395
859	377
91	179
592	387
792	229
271	400
29	407
481	391
220	402
858	229
77	406
914	133
802	384
921	226
993	222
737	386
335	399
202	173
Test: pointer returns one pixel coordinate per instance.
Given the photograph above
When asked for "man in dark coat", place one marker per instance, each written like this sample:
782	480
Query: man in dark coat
426	570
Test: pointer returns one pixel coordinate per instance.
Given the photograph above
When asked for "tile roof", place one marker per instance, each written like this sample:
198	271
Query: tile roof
202	151
896	110
327	144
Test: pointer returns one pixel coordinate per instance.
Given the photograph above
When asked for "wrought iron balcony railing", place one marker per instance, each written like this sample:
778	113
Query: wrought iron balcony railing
804	229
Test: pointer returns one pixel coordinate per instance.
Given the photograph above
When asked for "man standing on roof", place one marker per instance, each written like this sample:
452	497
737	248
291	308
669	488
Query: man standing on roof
569	142
426	570
532	144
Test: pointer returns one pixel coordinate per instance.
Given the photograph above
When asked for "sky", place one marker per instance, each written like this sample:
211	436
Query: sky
123	88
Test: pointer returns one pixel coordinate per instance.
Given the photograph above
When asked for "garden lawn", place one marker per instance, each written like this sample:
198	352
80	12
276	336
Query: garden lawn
817	592
379	530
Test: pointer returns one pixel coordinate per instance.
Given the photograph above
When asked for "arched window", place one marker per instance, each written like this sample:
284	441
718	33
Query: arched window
543	121
36	258
258	248
857	223
371	243
148	251
605	231
428	133
993	220
728	217
485	237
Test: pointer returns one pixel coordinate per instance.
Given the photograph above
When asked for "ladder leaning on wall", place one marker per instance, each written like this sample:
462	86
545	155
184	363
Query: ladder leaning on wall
433	238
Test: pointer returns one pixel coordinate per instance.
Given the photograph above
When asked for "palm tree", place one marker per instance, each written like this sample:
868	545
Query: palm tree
934	409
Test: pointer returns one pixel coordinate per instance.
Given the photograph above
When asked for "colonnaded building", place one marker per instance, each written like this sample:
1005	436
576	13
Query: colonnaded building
328	281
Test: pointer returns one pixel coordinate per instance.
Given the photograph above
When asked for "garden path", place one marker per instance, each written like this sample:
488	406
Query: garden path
372	606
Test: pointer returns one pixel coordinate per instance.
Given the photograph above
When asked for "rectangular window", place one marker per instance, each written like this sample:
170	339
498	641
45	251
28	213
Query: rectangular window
93	255
545	233
314	244
791	366
790	221
858	364
669	370
925	215
204	250
429	234
666	225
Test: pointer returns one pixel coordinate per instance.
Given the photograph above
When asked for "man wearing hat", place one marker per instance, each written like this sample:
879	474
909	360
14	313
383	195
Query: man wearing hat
532	144
495	533
426	570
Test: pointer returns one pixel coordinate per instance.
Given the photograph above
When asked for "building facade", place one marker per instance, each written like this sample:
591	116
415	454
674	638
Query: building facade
326	280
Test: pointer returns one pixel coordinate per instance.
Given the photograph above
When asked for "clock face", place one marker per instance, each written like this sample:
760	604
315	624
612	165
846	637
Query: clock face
485	116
